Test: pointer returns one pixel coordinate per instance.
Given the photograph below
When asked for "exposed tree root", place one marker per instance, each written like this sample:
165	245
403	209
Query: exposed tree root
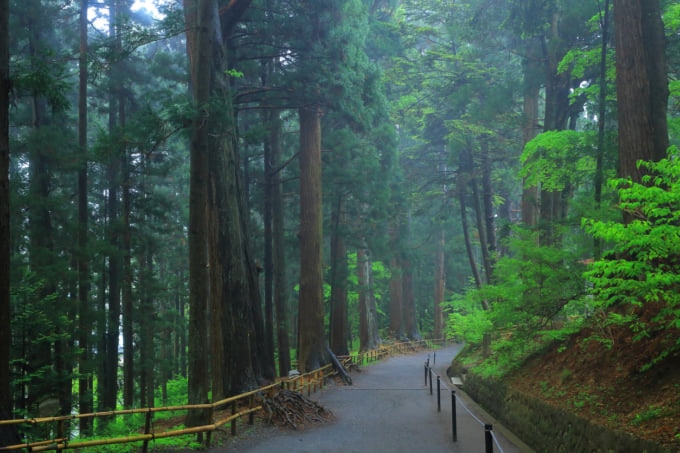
288	408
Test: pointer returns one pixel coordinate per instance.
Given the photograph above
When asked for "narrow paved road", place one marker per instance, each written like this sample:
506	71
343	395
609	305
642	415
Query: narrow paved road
387	409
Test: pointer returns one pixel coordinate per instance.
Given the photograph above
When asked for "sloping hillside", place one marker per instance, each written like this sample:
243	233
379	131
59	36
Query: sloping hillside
611	382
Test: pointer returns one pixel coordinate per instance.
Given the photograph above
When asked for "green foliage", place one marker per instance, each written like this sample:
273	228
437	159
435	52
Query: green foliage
536	283
650	413
558	159
43	75
467	321
671	17
643	266
177	391
537	298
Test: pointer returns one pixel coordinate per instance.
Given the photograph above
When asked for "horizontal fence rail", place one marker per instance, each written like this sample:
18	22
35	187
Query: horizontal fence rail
239	406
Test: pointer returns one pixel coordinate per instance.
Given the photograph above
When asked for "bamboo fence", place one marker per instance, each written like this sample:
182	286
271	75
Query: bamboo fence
308	382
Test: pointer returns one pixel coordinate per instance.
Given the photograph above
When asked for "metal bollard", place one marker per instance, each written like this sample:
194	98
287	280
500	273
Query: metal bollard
454	427
439	397
488	440
430	380
434	357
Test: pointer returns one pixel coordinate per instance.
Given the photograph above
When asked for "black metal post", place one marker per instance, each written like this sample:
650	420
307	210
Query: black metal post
430	380
488	440
439	397
454	427
434	358
425	374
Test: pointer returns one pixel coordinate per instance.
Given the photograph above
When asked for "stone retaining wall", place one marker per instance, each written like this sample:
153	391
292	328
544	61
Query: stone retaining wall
546	428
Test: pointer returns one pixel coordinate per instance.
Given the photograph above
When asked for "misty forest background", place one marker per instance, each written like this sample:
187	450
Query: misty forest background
215	191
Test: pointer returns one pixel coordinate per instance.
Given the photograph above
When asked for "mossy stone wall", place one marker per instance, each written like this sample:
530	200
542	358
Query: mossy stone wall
546	428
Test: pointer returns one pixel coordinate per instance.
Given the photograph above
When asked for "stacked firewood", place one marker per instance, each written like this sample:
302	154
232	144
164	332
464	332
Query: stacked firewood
292	409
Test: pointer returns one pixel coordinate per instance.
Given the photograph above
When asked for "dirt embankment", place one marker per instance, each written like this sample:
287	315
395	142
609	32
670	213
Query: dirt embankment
619	383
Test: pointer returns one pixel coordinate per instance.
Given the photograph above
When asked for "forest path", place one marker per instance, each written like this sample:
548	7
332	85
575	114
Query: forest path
387	409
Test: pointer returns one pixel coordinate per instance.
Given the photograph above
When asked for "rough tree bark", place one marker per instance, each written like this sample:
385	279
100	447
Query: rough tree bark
531	88
369	335
598	180
338	319
199	15
279	252
439	286
409	302
311	350
641	84
269	170
467	166
84	312
396	287
107	386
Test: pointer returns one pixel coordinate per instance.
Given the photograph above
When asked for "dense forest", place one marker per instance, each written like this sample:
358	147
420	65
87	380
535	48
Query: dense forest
214	192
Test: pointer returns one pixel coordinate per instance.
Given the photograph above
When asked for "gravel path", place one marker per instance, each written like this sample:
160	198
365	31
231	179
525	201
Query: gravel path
387	409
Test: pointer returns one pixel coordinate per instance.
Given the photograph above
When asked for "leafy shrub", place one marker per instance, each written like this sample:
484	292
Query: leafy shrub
643	267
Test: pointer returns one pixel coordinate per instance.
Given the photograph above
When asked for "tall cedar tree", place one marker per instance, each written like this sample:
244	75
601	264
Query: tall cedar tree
107	385
369	334
84	309
248	359
278	249
200	17
339	329
311	349
641	84
41	232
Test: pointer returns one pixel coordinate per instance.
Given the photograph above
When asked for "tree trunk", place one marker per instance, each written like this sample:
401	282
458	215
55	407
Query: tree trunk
598	180
553	204
409	302
200	15
369	335
531	88
466	233
83	261
396	288
311	349
41	254
269	172
641	85
469	168
488	207
439	286
279	251
219	311
246	347
147	357
108	378
7	435
339	273
126	293
180	329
